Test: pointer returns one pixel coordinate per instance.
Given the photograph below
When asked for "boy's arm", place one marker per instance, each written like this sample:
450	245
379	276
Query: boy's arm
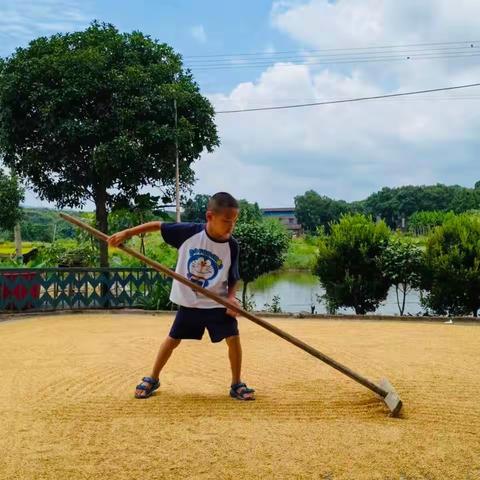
124	235
232	291
231	297
145	228
233	277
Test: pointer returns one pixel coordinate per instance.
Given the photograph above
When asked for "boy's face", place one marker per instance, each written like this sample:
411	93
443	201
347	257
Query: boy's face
221	224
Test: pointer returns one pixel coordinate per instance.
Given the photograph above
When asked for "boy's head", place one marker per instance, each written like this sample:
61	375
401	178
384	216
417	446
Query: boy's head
222	214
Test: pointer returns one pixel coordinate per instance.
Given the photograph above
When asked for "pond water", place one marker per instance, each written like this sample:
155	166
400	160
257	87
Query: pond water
298	290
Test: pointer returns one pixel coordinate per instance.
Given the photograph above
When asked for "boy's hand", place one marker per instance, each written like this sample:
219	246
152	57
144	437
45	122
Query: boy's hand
235	302
118	238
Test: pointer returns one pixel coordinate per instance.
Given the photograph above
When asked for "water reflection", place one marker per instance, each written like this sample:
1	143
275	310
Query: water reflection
299	290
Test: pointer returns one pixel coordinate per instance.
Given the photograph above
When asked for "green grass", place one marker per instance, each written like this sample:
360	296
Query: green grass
302	251
418	240
301	254
8	248
155	247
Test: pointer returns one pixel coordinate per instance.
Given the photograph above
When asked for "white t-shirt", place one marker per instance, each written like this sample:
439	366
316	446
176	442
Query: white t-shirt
212	264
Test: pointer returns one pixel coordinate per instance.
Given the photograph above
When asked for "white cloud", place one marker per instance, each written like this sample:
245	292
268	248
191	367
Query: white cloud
350	150
354	23
224	171
345	151
198	33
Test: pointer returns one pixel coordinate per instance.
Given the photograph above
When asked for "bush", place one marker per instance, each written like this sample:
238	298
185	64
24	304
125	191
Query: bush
263	246
274	307
348	264
66	254
451	276
401	264
158	298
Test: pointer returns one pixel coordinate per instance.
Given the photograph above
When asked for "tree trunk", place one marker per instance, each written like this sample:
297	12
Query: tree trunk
244	295
142	238
404	291
101	217
401	308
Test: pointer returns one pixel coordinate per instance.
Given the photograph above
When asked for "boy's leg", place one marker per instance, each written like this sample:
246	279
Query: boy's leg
235	357
164	353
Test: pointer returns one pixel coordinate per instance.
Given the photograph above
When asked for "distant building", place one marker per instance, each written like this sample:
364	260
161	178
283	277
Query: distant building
286	217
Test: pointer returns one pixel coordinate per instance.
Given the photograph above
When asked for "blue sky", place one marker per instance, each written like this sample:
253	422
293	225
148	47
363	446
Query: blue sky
191	27
346	151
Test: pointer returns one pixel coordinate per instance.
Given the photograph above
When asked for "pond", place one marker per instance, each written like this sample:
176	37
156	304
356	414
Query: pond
298	290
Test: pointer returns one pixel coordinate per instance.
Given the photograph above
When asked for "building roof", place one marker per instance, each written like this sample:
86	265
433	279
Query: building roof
286	209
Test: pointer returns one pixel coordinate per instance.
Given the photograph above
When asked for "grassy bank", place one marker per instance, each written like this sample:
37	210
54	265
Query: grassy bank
301	254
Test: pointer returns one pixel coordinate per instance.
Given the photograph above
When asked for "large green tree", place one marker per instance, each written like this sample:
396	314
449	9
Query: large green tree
313	210
11	195
90	116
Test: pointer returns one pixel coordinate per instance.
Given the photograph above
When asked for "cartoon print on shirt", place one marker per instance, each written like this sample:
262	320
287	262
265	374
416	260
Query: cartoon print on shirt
203	266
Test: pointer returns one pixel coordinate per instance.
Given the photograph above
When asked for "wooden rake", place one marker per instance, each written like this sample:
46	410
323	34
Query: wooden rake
384	389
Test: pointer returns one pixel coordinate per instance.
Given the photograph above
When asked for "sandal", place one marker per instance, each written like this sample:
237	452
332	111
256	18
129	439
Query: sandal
153	384
241	392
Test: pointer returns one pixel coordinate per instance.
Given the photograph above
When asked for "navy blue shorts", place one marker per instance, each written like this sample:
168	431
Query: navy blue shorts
190	323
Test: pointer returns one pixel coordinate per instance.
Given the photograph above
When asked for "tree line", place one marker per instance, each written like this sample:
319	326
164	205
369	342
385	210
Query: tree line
359	260
395	206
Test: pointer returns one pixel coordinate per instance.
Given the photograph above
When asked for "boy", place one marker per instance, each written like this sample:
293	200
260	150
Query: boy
208	256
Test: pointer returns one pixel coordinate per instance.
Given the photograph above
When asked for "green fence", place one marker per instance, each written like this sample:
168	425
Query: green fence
74	288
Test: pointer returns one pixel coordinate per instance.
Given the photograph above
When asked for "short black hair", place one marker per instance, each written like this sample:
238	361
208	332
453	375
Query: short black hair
222	200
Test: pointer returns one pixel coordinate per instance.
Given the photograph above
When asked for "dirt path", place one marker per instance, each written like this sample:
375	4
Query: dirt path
67	408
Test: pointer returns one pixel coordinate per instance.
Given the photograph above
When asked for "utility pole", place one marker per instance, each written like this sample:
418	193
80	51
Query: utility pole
17	234
18	243
177	168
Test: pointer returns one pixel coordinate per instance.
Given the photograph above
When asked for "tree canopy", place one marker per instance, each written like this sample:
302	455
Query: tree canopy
90	116
313	210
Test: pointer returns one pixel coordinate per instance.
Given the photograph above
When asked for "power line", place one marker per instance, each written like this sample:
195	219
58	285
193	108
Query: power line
336	49
328	56
396	100
395	58
350	100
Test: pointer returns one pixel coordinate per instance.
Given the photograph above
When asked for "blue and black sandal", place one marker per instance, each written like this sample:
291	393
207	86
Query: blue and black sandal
153	384
240	391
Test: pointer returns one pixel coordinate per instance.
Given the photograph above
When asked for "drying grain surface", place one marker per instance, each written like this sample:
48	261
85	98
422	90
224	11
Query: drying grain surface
67	408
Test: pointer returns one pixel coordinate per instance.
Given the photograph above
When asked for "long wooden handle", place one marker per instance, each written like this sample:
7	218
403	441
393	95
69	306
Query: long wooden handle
272	328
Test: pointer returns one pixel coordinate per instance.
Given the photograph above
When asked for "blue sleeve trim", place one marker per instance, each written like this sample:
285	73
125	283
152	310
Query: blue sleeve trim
176	233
